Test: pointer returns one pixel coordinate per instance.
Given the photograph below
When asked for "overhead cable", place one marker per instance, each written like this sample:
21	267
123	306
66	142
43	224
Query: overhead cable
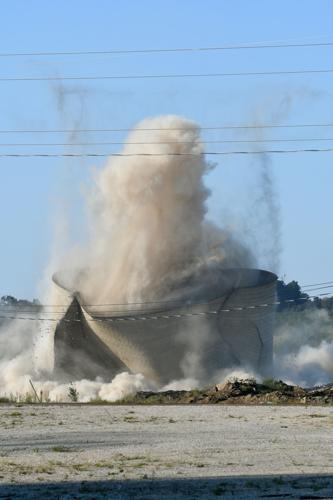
318	288
166	50
96	155
170	303
316	284
110	143
162	316
163	76
144	129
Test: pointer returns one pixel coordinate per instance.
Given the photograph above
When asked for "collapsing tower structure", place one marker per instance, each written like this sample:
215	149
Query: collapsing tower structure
223	319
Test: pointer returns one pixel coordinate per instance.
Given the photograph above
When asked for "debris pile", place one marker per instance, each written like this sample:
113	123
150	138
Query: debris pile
246	391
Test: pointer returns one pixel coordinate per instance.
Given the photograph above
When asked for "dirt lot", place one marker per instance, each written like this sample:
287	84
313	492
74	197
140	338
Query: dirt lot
83	451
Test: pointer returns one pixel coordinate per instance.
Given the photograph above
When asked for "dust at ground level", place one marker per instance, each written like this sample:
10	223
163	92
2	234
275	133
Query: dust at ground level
235	391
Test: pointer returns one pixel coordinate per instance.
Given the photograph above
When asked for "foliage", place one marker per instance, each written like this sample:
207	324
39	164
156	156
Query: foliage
275	385
73	394
4	399
293	299
12	302
290	292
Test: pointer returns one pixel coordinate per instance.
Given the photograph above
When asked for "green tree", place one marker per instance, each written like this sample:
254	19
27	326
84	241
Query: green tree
290	295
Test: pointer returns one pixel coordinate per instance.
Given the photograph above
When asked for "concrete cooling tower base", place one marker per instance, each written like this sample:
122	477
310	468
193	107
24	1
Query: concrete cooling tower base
79	353
223	321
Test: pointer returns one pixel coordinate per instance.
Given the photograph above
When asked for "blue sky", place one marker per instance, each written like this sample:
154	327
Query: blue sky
34	191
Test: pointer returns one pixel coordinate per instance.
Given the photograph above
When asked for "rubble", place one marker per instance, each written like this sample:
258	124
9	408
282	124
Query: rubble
247	392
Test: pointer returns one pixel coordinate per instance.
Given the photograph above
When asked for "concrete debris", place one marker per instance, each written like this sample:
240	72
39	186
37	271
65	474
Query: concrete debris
246	391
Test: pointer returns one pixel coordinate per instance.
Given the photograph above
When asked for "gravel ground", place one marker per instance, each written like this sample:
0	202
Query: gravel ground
81	451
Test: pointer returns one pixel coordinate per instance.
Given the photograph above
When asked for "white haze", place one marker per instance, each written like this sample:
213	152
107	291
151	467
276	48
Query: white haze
304	347
148	231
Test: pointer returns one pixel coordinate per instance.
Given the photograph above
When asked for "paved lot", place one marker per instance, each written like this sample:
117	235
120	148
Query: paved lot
79	451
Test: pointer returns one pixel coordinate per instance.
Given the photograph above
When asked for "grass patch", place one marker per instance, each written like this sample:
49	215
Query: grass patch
15	414
61	449
98	401
81	467
24	469
43	469
130	419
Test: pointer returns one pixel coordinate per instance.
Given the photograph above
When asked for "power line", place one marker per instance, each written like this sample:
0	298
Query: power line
317	284
163	316
166	50
174	303
122	155
222	127
318	288
170	75
109	143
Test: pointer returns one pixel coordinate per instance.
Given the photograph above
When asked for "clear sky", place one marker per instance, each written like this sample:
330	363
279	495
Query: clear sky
33	191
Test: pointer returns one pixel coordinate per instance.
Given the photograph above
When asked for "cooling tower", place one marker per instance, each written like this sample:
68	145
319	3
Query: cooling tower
221	319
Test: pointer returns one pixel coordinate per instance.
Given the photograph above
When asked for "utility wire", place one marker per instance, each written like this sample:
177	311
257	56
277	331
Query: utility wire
222	127
121	155
178	75
162	316
319	288
107	143
165	50
317	284
175	303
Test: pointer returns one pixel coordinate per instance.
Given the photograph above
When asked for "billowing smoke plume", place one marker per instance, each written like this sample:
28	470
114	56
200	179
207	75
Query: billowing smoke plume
147	223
